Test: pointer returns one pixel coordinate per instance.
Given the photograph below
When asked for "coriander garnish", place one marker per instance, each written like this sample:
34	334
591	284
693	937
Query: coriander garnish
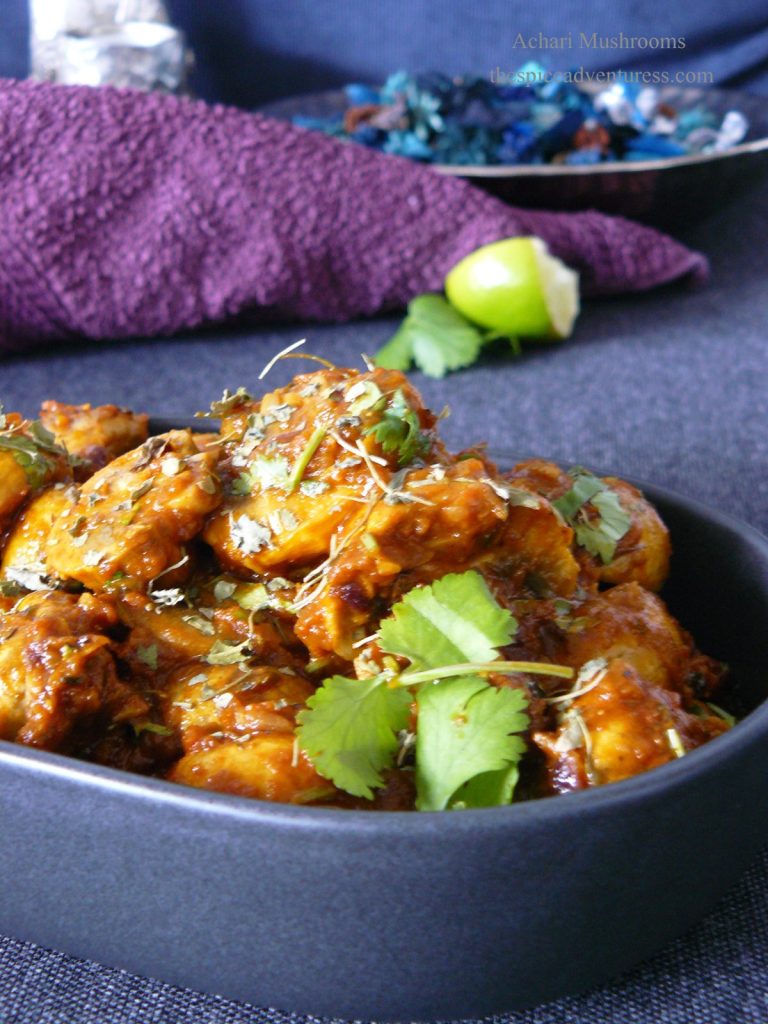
450	633
31	446
300	466
600	536
226	404
399	431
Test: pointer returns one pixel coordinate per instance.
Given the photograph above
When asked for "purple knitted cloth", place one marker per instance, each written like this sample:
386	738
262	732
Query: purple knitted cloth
127	214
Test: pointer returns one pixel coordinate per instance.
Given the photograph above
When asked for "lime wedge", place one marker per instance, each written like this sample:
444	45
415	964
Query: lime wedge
517	288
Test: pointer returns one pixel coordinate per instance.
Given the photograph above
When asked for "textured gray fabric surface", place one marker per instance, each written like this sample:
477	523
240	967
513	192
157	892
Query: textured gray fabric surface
671	387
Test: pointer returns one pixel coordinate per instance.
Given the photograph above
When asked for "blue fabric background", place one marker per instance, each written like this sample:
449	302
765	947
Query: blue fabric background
249	51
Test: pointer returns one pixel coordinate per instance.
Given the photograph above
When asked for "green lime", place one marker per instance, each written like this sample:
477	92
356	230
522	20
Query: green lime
517	288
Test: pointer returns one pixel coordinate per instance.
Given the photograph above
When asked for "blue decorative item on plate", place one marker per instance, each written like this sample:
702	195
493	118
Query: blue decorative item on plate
666	156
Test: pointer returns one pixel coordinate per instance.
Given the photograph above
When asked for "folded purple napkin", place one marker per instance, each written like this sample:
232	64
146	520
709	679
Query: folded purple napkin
123	214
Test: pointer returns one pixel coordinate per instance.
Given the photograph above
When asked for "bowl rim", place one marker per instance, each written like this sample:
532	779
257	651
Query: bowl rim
610	167
393	824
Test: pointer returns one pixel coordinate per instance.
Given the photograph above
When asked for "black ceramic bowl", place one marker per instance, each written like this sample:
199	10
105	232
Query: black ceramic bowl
406	916
667	192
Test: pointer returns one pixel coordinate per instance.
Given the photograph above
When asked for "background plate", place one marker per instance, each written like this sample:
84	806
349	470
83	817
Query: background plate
665	193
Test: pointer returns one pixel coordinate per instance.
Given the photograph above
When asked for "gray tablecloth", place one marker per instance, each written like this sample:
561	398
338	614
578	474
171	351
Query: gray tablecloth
671	387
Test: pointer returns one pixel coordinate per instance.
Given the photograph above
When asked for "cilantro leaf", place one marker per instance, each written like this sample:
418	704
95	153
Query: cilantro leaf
465	753
585	487
349	730
437	338
614	523
489	789
397	353
464	729
454	620
32	450
599	536
226	404
399	430
222	653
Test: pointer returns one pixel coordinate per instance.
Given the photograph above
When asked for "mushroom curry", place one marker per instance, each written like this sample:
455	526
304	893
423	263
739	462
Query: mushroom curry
318	603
